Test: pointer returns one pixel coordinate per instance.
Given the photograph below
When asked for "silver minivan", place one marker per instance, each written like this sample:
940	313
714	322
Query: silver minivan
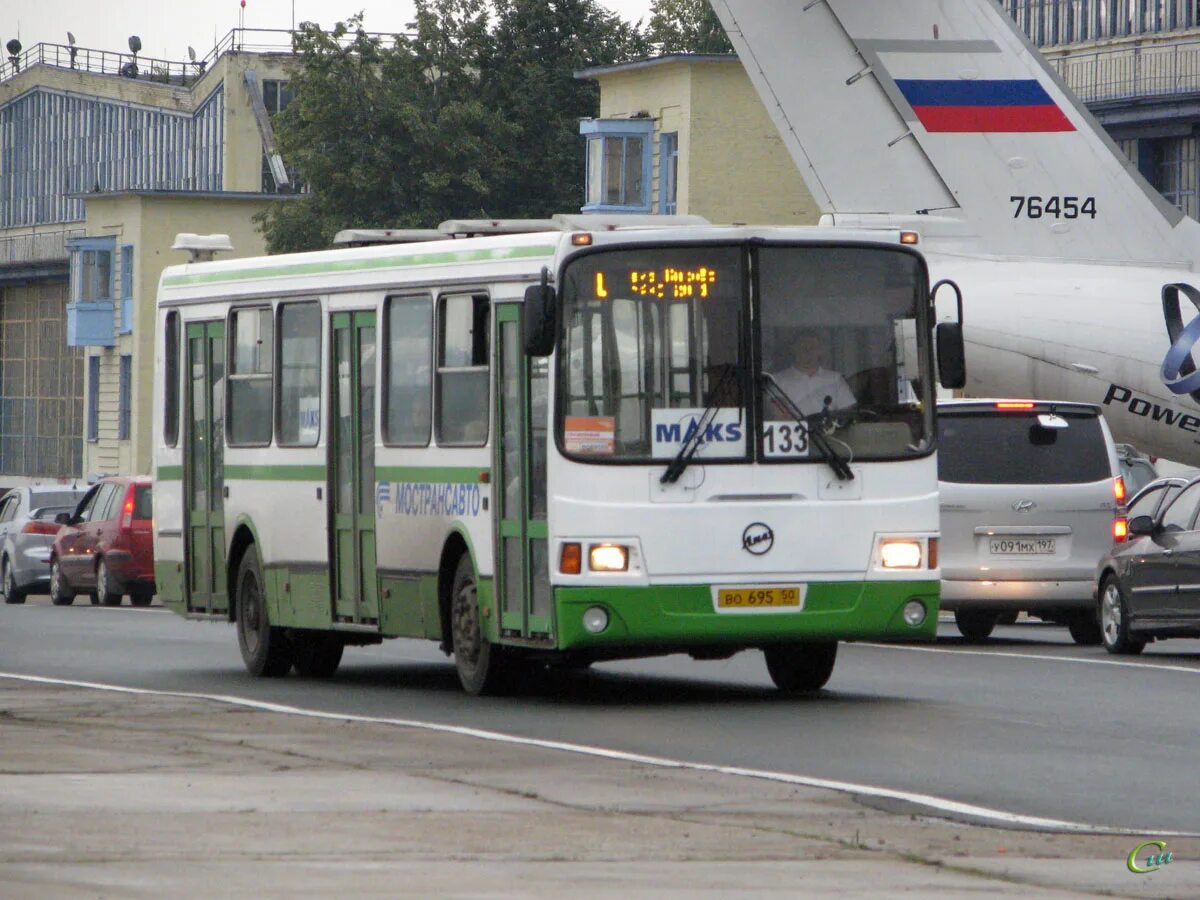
1031	498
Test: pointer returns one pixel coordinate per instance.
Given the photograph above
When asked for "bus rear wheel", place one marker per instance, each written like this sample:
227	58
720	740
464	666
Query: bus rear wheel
317	654
480	663
265	648
801	668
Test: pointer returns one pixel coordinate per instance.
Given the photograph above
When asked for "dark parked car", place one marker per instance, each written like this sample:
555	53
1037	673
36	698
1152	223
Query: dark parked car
27	528
105	547
1149	587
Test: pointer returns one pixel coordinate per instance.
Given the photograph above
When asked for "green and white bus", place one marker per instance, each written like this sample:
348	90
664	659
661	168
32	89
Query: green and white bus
553	448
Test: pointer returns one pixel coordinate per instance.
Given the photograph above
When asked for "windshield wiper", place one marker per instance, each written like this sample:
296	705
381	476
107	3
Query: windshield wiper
813	425
693	444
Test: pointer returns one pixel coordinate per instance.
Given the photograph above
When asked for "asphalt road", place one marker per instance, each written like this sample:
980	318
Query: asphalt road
1028	723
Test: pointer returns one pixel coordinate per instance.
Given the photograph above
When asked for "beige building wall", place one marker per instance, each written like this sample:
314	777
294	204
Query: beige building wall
733	166
149	222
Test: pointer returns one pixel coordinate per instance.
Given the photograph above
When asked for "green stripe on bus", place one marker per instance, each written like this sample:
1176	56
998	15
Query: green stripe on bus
358	265
276	473
425	474
431	474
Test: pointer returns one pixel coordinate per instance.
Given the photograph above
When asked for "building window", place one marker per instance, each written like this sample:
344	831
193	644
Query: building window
299	374
618	164
93	399
250	378
1175	172
123	397
92	269
668	172
126	288
276	97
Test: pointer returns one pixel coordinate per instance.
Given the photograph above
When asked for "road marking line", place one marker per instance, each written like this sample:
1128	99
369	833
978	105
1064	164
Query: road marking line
1191	670
928	801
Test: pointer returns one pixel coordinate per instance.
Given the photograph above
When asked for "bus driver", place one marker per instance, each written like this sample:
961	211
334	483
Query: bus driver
807	383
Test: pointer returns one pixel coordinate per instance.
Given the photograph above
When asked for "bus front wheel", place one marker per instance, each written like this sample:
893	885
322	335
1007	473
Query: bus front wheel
480	664
265	649
801	668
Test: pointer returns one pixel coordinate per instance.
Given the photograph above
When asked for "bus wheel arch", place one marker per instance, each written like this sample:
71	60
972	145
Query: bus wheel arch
243	539
453	550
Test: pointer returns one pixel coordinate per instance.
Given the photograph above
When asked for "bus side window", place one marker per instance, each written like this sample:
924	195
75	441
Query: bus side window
462	372
408	380
171	383
249	412
299	355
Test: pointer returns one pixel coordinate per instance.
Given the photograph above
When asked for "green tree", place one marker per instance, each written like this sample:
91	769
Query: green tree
537	47
388	137
473	114
686	26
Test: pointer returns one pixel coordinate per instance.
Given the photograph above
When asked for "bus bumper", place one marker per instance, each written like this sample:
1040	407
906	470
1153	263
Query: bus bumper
680	617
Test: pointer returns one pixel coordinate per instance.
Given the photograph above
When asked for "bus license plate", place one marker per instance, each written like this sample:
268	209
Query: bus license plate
788	597
1022	546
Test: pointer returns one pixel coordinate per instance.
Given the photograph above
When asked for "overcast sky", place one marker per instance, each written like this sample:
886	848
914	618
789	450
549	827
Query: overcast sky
167	27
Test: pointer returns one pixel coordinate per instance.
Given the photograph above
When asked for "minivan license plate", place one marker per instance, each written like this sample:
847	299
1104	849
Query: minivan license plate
1022	546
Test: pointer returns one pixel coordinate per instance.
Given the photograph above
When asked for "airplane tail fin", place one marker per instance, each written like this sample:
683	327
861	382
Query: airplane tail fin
944	117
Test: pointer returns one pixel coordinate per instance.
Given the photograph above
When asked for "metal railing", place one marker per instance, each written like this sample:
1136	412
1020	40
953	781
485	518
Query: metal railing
37	247
1121	73
148	68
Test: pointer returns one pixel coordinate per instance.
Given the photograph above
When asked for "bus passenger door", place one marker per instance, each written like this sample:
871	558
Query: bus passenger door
352	469
204	463
522	554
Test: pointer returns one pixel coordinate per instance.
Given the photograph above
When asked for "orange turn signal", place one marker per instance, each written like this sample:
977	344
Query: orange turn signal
570	560
932	556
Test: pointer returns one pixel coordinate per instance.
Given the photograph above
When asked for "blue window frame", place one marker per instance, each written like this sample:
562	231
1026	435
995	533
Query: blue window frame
90	312
618	164
93	399
126	288
124	397
668	172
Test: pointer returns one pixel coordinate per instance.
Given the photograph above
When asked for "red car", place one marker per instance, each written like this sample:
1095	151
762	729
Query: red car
105	548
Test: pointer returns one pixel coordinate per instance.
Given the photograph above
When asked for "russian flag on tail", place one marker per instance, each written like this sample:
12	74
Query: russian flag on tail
1007	105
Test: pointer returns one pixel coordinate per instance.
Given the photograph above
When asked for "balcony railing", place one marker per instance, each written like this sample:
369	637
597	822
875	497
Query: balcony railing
147	68
43	246
1122	73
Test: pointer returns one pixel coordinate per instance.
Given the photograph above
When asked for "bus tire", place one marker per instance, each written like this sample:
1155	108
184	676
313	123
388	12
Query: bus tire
480	664
316	654
975	626
265	648
801	668
60	591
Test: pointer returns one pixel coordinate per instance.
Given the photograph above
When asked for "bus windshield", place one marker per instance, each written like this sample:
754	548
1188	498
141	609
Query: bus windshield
752	345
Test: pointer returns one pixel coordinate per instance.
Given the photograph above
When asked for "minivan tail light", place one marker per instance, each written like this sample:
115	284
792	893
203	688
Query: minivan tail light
38	526
1120	530
127	513
1119	488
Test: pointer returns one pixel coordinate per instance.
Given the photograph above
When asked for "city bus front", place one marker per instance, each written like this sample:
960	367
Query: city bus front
742	447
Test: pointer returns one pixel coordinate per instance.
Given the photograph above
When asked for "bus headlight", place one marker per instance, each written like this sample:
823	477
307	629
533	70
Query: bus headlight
914	613
903	554
608	558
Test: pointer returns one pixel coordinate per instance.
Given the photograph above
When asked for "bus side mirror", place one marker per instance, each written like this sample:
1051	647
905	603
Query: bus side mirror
541	319
951	355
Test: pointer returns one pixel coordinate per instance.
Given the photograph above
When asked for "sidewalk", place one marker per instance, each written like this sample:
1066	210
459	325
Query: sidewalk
109	795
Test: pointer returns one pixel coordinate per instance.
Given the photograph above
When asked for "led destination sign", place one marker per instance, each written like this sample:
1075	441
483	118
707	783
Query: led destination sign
665	283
